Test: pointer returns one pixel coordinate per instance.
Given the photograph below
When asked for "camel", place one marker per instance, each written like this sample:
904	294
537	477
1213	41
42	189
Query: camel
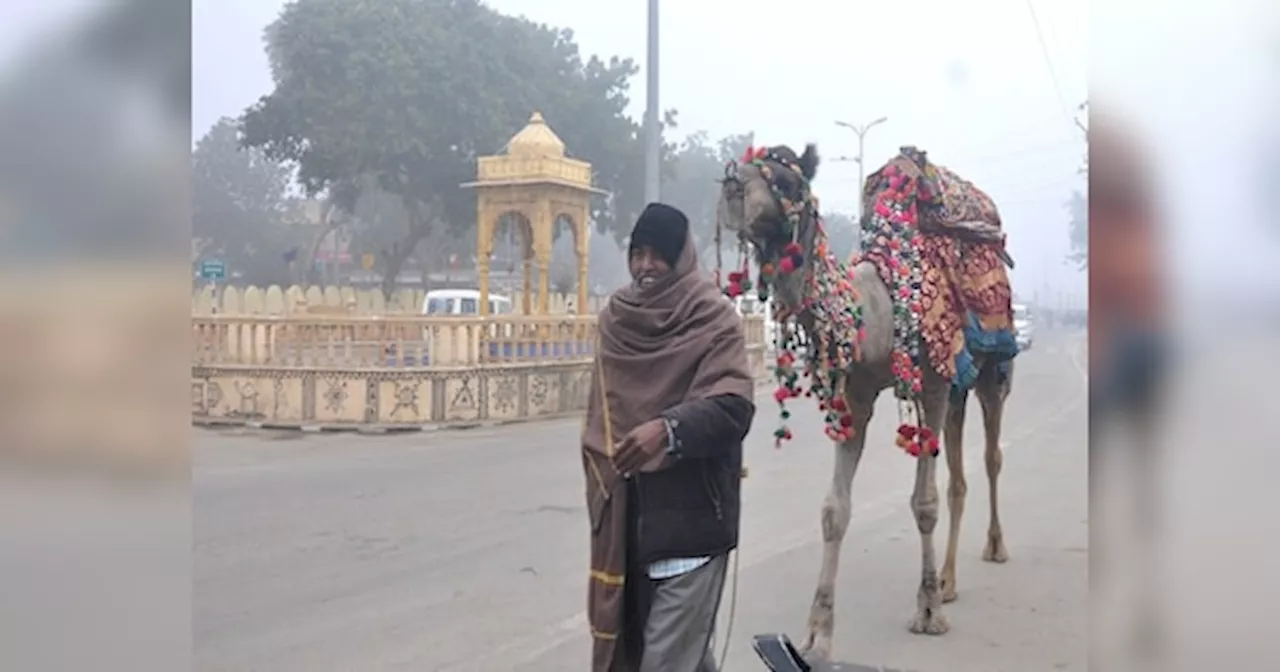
765	200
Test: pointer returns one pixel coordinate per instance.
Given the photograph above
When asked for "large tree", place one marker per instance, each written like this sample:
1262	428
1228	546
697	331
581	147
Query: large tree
691	184
411	92
843	235
606	265
691	181
239	206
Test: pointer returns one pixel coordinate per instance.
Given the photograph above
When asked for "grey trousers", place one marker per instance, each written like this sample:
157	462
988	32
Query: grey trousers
682	616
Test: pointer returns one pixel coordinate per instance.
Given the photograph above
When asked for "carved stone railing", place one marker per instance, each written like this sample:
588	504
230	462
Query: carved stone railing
327	371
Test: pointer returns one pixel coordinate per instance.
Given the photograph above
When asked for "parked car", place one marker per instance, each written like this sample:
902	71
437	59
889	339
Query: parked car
446	303
462	302
1023	326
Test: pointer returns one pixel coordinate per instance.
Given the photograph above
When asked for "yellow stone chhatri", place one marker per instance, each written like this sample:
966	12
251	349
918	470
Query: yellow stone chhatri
533	179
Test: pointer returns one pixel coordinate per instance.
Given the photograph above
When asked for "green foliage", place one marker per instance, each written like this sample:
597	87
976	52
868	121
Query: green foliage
411	92
691	184
732	147
691	181
842	234
239	206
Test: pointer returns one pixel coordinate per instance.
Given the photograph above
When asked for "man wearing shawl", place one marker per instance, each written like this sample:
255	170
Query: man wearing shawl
671	402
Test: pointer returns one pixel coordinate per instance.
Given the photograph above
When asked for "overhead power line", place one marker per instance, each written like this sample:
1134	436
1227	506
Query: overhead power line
1048	62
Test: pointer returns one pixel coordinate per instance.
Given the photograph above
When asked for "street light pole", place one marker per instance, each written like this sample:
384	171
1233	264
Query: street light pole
862	169
653	132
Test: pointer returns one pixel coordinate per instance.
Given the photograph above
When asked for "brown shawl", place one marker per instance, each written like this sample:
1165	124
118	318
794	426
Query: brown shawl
675	341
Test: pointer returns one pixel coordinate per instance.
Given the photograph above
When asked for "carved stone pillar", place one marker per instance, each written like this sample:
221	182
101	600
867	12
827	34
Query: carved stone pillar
544	283
527	266
542	229
582	236
484	249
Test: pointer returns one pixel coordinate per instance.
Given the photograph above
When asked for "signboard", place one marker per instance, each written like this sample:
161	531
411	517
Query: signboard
366	260
331	256
213	269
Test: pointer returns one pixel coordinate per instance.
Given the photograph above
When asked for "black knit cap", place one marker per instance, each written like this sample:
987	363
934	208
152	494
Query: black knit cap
662	227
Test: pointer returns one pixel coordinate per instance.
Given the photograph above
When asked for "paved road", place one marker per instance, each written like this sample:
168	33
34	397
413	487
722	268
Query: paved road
467	551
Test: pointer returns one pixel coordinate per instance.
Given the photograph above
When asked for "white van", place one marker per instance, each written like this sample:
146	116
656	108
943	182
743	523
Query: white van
462	302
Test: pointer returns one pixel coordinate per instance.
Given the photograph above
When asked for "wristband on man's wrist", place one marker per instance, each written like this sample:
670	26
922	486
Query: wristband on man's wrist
673	443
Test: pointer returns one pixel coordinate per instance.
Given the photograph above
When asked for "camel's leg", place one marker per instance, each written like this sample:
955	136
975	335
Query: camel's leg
992	393
957	487
836	509
929	618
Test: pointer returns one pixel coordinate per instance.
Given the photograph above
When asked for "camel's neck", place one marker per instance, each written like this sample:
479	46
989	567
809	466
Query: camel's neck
830	300
795	291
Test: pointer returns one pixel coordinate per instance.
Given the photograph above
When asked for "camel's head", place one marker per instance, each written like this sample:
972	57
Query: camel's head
766	200
760	193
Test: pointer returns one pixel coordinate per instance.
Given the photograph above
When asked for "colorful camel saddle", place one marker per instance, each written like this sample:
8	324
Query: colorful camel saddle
937	243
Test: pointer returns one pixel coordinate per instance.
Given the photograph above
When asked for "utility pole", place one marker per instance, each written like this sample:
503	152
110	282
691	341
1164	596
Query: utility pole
862	168
652	129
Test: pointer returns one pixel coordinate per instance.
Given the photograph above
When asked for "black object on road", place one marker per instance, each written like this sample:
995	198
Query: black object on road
779	654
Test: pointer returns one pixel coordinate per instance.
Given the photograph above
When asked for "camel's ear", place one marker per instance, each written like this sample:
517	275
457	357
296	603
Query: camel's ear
809	161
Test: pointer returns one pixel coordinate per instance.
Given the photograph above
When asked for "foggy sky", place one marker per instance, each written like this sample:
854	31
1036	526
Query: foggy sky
970	85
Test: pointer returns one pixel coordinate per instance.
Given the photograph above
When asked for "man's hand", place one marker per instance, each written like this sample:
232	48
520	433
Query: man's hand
642	445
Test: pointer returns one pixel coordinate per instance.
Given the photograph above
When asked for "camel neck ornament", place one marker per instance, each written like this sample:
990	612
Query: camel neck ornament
831	300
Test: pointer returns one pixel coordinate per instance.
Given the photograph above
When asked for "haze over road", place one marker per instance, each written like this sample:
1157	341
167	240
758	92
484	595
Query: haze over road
466	551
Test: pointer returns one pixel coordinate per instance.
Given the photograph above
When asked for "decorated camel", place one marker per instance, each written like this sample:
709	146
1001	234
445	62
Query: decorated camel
923	308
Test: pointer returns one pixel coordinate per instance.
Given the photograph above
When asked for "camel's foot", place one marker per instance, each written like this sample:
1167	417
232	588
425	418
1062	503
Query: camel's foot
817	649
995	550
929	622
948	588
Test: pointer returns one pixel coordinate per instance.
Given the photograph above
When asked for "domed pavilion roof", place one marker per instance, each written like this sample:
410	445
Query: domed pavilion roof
536	139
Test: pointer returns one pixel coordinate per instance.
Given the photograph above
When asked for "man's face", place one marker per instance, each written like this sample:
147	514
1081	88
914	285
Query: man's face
647	266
